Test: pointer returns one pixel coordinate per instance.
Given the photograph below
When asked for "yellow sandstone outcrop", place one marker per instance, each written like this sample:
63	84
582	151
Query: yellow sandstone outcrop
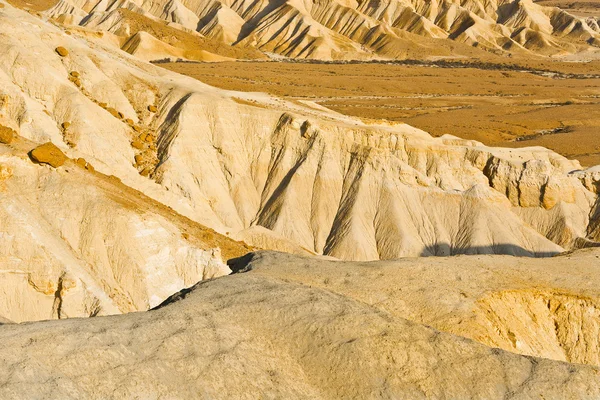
48	153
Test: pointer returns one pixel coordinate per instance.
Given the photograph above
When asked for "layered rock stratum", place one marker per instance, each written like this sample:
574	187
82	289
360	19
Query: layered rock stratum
77	243
341	29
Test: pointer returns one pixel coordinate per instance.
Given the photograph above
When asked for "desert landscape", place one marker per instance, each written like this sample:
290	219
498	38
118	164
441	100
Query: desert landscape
329	199
583	8
554	105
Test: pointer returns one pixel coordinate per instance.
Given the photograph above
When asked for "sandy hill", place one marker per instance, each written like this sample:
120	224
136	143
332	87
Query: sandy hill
262	334
337	29
544	309
77	243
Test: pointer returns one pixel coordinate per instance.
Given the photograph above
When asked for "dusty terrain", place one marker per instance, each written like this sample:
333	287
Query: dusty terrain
584	8
126	188
301	328
34	5
548	309
499	106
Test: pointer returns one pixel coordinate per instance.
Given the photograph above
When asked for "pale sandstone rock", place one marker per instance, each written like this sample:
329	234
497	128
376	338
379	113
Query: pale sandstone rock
251	335
349	29
108	249
330	184
549	309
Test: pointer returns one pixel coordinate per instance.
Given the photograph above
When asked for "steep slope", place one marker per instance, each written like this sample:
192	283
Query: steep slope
127	24
148	48
327	183
77	243
331	29
253	336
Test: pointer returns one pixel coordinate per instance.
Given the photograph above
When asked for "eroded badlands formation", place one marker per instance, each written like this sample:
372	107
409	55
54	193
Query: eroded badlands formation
122	183
276	174
345	29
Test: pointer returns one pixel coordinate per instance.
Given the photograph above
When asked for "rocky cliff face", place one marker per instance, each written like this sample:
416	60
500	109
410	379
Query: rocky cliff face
334	29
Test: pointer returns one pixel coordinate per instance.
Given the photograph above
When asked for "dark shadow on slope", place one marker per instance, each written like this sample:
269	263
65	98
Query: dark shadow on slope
166	135
241	264
237	265
249	26
445	250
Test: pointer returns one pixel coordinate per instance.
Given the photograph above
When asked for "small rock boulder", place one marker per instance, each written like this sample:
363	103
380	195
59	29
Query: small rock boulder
62	51
84	164
48	153
7	135
114	112
152	109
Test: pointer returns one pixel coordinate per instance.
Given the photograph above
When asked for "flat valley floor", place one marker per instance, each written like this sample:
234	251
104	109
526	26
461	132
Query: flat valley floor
514	104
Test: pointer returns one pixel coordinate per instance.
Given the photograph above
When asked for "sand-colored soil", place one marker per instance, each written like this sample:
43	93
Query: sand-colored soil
497	106
34	5
189	43
584	8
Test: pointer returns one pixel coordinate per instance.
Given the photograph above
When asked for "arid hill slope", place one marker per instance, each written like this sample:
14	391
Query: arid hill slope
252	335
77	243
288	174
547	309
350	29
150	177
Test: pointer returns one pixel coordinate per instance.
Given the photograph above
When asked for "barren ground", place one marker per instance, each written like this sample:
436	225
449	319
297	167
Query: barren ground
585	8
495	104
